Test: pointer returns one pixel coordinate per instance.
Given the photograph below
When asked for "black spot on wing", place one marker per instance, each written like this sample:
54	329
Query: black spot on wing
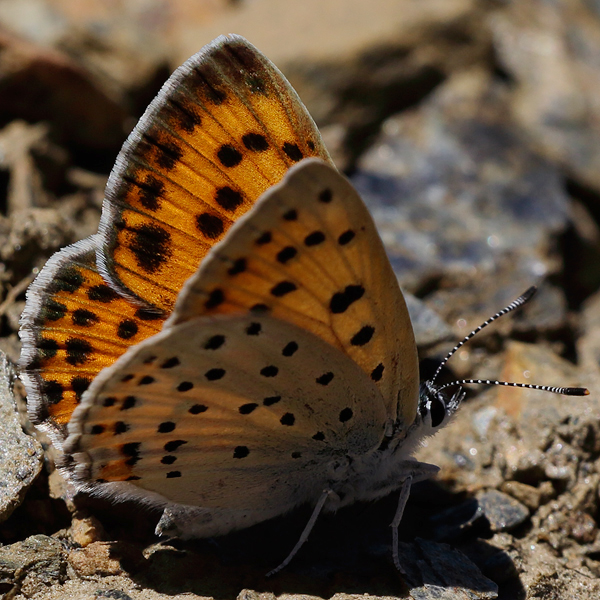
241	452
325	379
151	191
102	293
129	402
47	348
173	445
363	336
151	246
53	391
166	427
78	351
292	151
345	415
288	419
210	226
79	384
53	310
283	288
127	329
120	427
259	308
214	374
84	318
286	254
325	196
290	349
229	156
341	301
269	371
263	238
215	298
377	372
132	451
346	237
271	400
255	142
314	239
253	329
239	266
68	279
170	363
214	342
228	198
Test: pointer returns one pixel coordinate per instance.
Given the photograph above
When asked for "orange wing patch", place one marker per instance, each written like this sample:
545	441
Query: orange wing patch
73	327
225	127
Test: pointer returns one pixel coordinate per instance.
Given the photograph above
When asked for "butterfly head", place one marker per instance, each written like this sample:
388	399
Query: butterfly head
436	407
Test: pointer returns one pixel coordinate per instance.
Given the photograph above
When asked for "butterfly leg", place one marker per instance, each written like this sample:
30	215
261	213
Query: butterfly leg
306	532
415	472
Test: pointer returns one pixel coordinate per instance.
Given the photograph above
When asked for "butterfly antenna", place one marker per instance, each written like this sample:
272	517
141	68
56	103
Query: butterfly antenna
567	391
522	299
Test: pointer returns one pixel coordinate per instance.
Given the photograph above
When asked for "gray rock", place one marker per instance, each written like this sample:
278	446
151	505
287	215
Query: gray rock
429	328
503	512
31	566
458	195
438	571
551	51
21	455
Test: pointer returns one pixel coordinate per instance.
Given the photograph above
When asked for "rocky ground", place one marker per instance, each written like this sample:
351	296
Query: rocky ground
472	130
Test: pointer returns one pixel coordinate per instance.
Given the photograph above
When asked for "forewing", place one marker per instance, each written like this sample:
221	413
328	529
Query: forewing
224	128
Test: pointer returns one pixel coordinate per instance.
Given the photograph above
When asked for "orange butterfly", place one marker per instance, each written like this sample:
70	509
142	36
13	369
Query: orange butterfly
234	335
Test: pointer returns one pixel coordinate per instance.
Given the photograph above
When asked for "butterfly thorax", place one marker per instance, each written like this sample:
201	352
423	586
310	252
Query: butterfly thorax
382	471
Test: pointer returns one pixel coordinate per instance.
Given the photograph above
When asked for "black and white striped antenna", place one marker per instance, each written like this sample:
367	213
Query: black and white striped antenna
520	301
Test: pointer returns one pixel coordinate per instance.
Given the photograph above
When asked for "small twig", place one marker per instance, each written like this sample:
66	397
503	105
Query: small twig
14	292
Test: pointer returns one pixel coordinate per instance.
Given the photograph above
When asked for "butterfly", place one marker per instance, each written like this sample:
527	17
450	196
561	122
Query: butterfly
233	342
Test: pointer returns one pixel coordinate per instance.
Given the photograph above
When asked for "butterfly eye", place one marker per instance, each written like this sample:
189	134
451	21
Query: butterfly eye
437	411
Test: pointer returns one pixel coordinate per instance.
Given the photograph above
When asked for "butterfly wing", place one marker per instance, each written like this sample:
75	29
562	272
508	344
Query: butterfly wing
73	326
225	127
309	253
230	412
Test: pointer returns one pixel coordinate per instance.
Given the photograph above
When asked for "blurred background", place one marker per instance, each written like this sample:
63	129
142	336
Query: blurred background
472	130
